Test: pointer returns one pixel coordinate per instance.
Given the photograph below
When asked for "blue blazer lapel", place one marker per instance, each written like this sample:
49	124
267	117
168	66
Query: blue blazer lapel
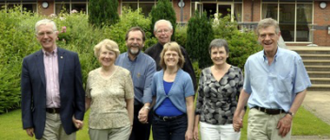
40	65
61	58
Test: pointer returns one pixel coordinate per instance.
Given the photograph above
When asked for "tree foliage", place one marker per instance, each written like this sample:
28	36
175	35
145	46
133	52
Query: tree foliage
241	43
163	10
199	36
103	12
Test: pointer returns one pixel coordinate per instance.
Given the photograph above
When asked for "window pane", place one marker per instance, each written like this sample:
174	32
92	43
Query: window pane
224	10
287	13
2	6
210	9
146	8
269	11
11	6
30	7
238	12
79	7
65	8
133	6
270	1
62	0
304	19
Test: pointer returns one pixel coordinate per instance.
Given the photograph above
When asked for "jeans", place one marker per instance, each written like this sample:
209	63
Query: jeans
169	130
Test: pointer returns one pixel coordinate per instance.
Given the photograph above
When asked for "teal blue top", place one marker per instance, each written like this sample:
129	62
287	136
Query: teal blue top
181	88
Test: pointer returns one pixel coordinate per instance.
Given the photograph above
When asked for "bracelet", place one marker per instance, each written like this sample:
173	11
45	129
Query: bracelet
147	107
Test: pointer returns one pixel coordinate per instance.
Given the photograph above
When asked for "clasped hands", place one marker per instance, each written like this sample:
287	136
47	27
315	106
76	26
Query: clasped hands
237	123
143	115
77	123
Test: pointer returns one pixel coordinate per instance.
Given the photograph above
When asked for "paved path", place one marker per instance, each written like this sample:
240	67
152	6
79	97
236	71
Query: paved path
317	103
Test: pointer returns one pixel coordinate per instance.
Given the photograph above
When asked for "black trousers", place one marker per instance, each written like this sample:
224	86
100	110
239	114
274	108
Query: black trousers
141	131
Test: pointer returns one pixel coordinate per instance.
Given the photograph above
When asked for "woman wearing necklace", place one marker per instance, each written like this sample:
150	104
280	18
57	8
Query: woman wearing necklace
218	93
110	95
173	92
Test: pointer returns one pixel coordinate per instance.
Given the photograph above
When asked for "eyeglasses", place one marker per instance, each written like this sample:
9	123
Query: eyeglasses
163	31
171	54
48	33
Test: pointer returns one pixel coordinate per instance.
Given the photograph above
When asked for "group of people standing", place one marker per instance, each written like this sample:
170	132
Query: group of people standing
131	91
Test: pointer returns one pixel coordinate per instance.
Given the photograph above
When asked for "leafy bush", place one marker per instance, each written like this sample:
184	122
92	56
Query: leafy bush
199	36
17	40
130	19
181	35
241	44
163	10
103	12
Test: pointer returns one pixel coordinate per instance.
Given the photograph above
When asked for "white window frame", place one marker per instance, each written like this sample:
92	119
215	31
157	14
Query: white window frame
295	16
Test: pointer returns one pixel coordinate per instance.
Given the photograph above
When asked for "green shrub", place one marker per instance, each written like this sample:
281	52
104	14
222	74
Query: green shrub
199	36
241	44
103	12
17	40
130	19
181	35
163	10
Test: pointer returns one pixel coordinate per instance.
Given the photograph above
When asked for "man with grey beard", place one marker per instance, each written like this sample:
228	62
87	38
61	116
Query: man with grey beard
142	68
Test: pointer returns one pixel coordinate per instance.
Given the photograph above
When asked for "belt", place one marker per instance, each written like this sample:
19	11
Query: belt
53	110
167	118
269	111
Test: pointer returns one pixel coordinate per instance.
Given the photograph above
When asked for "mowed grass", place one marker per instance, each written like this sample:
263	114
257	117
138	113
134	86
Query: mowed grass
304	123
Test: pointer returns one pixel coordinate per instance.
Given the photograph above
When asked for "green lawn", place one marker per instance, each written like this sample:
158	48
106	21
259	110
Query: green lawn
304	123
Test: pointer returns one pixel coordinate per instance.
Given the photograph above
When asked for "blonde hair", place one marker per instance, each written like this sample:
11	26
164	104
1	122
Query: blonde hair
171	46
109	45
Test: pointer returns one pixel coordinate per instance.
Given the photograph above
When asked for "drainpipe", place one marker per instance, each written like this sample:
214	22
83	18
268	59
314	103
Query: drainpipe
252	7
181	11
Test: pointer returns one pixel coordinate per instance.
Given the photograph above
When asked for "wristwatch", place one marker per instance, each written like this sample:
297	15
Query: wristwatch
147	107
290	113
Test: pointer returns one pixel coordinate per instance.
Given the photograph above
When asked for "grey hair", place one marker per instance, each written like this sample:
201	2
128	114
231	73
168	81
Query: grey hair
45	22
218	43
267	22
169	24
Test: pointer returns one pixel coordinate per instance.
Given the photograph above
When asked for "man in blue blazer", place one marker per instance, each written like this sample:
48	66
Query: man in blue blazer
53	99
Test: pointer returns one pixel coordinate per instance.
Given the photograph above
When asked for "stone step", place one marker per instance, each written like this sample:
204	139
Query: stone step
317	68
310	50
319	87
317	62
320	80
319	74
315	56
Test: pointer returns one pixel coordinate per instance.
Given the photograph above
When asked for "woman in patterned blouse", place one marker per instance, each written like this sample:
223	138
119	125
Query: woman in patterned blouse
110	95
218	93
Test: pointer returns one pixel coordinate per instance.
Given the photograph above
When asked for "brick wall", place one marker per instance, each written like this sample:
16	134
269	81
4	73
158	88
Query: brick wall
322	21
186	11
247	14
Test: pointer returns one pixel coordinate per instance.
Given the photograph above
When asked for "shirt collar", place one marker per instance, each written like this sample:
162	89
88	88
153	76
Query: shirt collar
53	53
278	52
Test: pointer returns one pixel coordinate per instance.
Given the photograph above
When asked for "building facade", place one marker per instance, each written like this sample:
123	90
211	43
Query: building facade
302	22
